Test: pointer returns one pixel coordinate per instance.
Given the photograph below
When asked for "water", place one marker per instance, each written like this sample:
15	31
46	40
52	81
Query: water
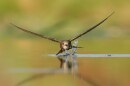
31	56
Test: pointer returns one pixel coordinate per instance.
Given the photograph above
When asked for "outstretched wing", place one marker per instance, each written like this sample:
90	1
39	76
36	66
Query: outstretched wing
91	28
52	39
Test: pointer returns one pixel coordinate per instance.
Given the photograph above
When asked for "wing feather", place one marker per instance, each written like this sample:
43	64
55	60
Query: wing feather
42	36
91	28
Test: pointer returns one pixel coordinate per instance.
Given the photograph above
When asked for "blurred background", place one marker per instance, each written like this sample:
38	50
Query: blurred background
64	19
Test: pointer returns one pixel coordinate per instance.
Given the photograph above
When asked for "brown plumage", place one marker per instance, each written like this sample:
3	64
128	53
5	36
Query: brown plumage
65	44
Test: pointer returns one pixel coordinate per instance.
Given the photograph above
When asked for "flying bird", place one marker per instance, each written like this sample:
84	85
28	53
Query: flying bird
64	44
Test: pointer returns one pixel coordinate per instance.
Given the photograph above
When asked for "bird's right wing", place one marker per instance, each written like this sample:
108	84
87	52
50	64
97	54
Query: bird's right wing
42	36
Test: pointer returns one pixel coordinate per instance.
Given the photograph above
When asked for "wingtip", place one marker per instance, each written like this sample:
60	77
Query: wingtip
94	26
12	24
111	14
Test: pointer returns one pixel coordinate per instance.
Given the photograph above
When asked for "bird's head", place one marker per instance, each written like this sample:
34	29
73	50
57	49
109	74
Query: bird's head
66	44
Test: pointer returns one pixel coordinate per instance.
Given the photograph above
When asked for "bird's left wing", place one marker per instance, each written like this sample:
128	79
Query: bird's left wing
91	28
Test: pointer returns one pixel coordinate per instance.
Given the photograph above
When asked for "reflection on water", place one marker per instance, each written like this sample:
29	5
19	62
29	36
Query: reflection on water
58	75
32	53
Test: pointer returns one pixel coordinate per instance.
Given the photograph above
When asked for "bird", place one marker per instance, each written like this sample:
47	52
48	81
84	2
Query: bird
65	44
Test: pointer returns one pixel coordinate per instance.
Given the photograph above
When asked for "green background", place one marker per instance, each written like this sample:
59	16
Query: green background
63	19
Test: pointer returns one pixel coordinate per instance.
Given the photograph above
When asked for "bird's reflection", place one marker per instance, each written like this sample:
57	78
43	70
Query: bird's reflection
54	72
37	76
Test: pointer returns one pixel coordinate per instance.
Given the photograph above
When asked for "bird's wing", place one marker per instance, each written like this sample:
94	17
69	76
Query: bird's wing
42	36
91	28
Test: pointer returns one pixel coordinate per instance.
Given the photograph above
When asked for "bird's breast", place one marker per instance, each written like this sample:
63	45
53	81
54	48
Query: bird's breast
65	47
